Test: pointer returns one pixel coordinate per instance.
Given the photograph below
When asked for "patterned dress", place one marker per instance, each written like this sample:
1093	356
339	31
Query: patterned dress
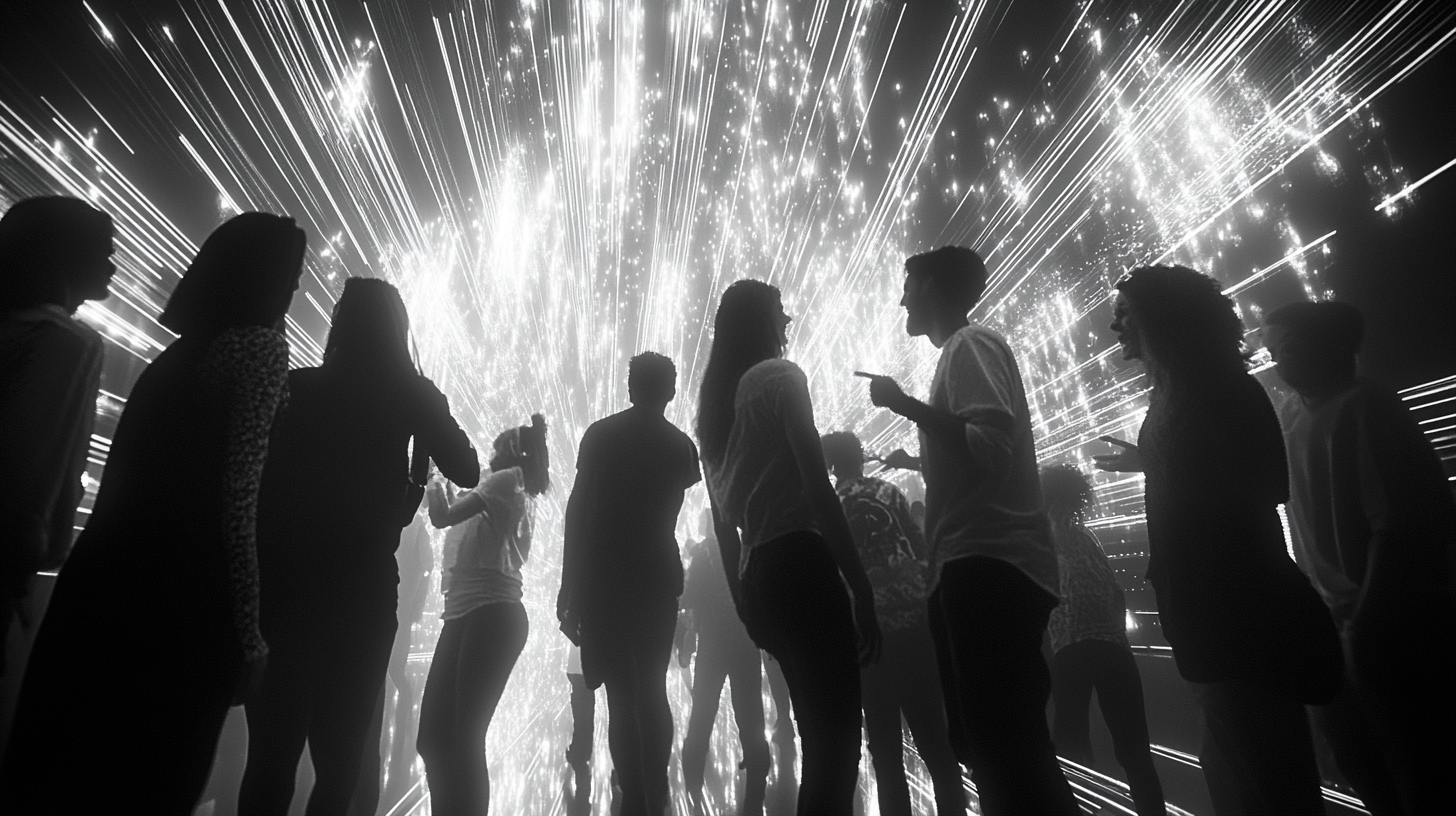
156	613
1092	602
891	546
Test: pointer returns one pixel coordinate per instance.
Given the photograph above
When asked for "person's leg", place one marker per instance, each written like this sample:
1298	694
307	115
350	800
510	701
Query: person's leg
624	734
583	712
277	728
778	690
921	703
881	702
710	668
1344	727
438	717
367	790
1260	754
1120	696
351	666
745	674
1071	701
656	712
946	675
1403	679
994	617
402	736
795	594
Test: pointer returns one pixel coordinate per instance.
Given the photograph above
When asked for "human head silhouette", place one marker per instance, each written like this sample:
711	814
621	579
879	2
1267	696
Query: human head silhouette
843	453
651	380
54	250
941	288
1314	344
1065	493
370	327
1179	323
525	447
750	327
244	275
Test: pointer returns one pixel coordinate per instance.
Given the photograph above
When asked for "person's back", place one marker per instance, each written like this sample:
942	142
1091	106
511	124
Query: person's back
1092	606
638	464
891	546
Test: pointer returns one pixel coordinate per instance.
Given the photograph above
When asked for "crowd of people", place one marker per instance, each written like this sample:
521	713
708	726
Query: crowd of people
242	550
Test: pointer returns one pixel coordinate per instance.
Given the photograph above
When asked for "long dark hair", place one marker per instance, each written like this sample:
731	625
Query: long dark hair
370	327
1066	493
745	333
525	447
1188	325
244	275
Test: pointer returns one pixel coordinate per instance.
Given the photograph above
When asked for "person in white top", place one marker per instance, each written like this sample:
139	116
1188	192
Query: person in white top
485	623
787	549
55	254
993	565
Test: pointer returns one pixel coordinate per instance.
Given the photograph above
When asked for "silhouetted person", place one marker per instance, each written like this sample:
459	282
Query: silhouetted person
415	562
485	622
904	681
787	550
328	526
1089	644
621	575
1374	528
583	725
152	630
724	652
1247	630
55	254
993	566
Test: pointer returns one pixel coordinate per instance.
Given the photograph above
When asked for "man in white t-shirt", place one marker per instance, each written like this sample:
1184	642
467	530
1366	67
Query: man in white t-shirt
993	564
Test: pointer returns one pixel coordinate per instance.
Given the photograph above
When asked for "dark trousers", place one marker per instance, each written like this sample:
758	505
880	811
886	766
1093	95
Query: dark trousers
904	681
797	609
1390	728
1111	670
321	685
1257	757
583	713
639	720
987	619
733	657
473	660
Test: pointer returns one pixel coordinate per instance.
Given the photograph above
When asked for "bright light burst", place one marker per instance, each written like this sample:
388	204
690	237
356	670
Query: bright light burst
557	186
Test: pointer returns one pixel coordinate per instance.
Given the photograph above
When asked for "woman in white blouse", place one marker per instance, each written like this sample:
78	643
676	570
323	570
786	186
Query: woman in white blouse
485	624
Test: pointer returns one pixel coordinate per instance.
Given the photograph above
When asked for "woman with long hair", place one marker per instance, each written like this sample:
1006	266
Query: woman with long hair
783	536
332	505
1247	629
152	631
485	624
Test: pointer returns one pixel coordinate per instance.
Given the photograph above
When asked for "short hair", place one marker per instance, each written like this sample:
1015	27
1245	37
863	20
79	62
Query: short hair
1188	324
958	272
1336	329
842	449
41	239
1065	492
652	377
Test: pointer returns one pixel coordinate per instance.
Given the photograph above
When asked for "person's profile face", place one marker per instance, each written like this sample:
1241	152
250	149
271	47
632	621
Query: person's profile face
93	272
1293	357
1124	322
917	311
782	320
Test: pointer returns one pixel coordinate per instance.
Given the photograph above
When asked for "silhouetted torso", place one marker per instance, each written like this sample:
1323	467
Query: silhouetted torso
632	470
336	474
1231	602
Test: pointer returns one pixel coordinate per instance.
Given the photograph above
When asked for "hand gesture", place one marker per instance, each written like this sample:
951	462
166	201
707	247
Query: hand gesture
570	622
885	392
900	458
1126	460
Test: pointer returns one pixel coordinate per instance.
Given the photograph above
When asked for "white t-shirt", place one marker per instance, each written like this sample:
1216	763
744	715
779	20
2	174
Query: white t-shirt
484	554
987	503
757	485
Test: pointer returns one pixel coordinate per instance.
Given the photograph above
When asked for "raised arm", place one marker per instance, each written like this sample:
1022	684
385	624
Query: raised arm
443	438
447	513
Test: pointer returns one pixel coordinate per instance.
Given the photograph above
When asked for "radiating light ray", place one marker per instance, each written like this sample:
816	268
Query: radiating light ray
558	185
